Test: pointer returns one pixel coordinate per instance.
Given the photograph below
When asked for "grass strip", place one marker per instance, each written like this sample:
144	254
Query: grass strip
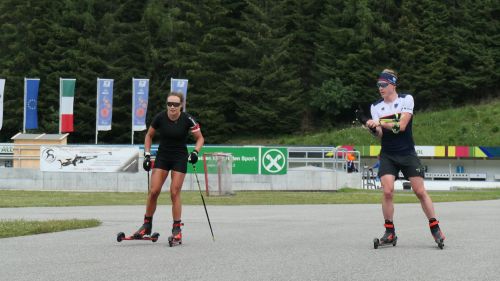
13	228
17	198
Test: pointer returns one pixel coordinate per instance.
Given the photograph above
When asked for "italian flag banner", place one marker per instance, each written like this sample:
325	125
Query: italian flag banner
66	100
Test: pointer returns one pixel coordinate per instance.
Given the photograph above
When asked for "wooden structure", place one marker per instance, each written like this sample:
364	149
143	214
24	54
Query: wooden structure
27	148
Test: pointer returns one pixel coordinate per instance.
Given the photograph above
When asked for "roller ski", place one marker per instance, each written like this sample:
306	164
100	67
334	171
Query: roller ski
388	238
437	233
144	233
176	237
153	237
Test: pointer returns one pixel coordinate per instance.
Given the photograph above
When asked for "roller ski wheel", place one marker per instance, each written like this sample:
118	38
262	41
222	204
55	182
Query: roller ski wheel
153	237
120	236
439	239
440	243
172	241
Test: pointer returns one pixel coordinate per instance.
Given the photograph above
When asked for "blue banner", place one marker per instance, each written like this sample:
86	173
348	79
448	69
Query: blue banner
31	103
179	86
104	104
140	94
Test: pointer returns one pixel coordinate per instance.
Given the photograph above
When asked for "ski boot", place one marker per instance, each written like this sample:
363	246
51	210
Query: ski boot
144	233
145	229
388	238
437	233
176	237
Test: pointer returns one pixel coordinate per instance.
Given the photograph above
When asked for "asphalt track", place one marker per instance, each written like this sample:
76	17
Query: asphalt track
299	242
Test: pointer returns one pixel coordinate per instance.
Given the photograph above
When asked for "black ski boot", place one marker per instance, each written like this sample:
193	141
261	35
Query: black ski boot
389	236
176	237
145	229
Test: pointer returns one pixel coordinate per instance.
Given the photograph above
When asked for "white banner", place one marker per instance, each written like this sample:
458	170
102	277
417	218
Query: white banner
89	158
2	87
425	151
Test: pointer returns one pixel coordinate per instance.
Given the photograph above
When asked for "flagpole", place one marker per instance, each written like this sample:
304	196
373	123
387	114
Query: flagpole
97	110
24	119
60	92
133	108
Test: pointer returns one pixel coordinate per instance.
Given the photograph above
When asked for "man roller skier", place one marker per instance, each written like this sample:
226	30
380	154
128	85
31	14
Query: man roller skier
392	122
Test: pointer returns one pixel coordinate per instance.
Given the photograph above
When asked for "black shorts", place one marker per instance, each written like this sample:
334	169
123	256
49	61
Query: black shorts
167	165
409	165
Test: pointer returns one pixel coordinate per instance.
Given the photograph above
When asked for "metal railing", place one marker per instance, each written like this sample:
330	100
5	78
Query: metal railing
369	178
322	157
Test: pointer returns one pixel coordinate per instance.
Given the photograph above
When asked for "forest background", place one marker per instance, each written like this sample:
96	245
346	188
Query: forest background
255	68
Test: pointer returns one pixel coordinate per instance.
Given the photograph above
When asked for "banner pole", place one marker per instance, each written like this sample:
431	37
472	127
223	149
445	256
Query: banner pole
24	119
96	110
133	107
60	92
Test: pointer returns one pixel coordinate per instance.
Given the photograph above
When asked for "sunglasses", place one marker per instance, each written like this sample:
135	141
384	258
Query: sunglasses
174	104
382	84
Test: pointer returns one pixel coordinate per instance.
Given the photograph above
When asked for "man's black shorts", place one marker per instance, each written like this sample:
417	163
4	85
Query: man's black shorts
167	165
409	165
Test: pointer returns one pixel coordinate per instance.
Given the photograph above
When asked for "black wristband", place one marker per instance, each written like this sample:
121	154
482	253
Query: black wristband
395	128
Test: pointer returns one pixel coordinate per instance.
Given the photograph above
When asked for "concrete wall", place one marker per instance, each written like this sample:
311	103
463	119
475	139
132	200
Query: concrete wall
491	167
307	178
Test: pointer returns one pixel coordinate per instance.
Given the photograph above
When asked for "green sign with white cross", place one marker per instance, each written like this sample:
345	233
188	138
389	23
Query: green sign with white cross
273	161
253	160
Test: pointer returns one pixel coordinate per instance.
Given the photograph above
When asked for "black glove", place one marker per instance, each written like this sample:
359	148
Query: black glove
146	164
395	128
193	157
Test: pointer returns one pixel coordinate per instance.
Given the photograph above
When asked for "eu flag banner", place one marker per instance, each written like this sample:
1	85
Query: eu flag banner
2	87
180	86
104	104
31	103
140	94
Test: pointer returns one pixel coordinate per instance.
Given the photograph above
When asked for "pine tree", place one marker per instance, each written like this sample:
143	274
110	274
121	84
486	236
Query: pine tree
267	90
350	50
300	21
